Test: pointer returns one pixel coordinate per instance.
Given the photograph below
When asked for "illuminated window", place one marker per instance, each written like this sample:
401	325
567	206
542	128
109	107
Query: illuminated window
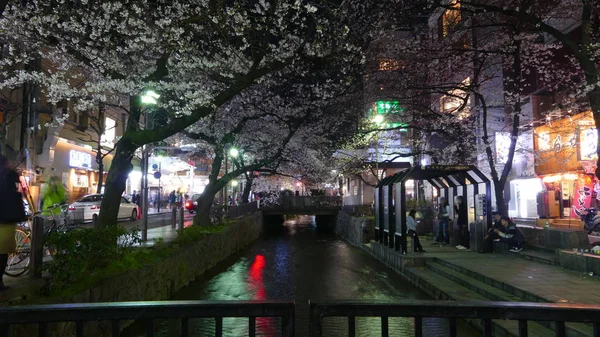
389	65
544	141
451	18
457	101
109	130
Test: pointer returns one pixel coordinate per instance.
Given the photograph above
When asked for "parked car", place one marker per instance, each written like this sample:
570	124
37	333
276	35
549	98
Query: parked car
192	203
88	207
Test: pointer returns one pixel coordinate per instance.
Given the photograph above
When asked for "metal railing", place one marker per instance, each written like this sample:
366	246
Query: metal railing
306	202
452	310
237	211
147	312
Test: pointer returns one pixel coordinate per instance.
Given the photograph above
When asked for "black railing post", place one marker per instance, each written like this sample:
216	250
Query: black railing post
173	217
181	215
37	247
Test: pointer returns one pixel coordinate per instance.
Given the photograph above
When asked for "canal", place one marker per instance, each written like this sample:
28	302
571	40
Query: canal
298	262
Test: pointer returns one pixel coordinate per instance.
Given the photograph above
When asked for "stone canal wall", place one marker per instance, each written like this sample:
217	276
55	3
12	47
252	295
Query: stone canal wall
160	280
351	228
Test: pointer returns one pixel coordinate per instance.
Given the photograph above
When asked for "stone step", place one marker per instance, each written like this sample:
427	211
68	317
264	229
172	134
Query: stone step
443	288
538	256
495	294
524	295
498	291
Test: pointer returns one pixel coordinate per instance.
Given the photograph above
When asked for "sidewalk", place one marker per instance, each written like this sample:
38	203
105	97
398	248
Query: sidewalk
547	282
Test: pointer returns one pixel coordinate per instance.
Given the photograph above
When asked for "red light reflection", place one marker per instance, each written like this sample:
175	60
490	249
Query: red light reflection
265	325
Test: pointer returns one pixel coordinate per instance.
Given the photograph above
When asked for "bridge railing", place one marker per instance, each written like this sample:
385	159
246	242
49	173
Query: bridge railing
148	312
237	211
306	202
522	312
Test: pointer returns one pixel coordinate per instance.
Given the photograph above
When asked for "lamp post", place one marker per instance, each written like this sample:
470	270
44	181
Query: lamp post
150	97
233	152
378	120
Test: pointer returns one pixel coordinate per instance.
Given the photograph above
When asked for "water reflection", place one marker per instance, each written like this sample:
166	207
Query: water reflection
302	263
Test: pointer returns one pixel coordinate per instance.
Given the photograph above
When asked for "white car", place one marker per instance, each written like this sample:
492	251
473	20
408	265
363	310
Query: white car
88	207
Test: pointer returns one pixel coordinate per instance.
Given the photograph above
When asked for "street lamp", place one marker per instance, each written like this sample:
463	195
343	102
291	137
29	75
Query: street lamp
378	120
233	152
149	97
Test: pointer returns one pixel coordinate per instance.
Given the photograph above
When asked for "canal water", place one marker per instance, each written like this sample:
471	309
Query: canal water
298	262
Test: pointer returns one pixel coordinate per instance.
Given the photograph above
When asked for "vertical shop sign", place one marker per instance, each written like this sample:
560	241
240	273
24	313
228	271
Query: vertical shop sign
582	198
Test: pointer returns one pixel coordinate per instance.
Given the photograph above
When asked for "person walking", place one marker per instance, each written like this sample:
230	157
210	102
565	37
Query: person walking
135	198
53	194
411	225
172	199
12	211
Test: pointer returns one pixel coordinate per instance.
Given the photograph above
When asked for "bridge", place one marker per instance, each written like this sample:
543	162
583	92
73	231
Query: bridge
314	205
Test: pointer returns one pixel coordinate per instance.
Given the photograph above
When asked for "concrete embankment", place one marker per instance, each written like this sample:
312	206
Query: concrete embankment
158	280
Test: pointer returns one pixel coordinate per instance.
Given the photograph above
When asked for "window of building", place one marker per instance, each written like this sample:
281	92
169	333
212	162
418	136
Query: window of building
451	18
109	130
457	101
389	65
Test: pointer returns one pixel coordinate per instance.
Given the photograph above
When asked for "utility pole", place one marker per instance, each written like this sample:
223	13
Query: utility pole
145	195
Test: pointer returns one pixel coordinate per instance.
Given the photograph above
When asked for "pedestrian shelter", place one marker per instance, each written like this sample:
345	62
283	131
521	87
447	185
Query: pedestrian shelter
449	181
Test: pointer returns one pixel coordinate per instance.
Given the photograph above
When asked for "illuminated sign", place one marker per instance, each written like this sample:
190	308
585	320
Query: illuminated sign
588	140
385	107
80	159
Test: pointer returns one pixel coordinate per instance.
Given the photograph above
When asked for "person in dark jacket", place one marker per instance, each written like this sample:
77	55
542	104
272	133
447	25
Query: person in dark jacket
512	237
460	209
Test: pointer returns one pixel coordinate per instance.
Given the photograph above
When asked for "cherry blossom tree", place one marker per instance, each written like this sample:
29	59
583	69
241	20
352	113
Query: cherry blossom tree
553	22
197	54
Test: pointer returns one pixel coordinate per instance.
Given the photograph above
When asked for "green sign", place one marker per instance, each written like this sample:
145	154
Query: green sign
389	107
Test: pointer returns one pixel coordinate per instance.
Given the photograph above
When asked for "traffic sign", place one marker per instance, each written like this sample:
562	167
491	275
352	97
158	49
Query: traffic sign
157	175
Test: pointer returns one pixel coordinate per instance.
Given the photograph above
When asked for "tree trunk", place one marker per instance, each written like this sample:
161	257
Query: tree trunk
100	176
500	203
205	202
247	189
594	97
115	184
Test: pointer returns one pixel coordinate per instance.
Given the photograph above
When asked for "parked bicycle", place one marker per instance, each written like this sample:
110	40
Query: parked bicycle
18	262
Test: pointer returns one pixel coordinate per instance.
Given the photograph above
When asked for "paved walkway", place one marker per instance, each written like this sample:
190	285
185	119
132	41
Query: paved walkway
552	283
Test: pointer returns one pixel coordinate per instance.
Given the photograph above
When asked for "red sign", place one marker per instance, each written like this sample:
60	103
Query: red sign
582	199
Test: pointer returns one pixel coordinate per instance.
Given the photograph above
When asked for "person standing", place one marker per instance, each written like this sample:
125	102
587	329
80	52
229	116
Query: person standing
135	198
443	217
12	211
411	225
461	221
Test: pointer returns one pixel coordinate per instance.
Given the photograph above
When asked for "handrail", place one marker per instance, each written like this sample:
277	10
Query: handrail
486	311
147	310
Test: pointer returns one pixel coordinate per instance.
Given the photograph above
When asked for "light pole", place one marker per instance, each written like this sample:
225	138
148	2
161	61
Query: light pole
233	152
378	120
150	97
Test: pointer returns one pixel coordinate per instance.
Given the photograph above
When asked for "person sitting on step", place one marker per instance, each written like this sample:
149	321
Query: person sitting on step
512	237
411	225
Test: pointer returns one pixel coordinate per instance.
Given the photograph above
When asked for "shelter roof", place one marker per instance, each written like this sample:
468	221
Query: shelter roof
434	172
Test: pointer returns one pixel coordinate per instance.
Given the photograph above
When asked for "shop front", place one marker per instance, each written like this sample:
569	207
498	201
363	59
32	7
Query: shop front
565	161
75	165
